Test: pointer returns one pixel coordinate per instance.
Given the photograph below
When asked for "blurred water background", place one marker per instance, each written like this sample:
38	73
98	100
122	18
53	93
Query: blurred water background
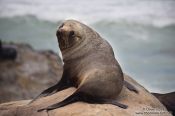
141	32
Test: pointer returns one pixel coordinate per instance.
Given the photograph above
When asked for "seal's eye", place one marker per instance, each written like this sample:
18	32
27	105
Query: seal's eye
72	34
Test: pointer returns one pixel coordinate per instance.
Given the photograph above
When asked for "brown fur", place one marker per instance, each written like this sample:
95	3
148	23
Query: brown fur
89	65
92	64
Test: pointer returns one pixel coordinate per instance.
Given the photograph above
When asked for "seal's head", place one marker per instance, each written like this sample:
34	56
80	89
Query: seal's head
69	35
75	39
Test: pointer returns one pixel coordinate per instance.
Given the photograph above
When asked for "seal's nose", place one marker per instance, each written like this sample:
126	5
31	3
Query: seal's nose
60	32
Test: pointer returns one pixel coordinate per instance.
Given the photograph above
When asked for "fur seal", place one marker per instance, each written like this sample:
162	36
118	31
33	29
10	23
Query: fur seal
89	65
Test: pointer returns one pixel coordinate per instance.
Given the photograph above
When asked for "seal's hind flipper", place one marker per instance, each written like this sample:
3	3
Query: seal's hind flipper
130	87
105	101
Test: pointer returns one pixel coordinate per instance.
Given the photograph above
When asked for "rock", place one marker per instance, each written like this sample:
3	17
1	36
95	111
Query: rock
7	52
142	104
27	75
168	100
32	71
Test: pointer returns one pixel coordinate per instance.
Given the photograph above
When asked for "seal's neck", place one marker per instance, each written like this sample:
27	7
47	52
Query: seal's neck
73	53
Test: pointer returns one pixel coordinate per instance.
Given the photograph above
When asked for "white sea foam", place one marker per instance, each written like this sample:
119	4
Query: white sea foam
157	12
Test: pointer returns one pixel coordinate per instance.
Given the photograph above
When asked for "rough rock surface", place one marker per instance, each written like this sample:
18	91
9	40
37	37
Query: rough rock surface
28	74
142	104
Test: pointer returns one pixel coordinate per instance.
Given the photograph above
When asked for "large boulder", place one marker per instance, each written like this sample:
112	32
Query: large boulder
28	74
167	99
141	104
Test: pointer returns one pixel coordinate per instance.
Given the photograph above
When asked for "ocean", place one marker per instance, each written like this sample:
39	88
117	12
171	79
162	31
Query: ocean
141	32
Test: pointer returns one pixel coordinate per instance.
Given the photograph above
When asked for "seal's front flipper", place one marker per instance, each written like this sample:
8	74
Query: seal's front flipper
45	93
130	87
61	85
71	99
